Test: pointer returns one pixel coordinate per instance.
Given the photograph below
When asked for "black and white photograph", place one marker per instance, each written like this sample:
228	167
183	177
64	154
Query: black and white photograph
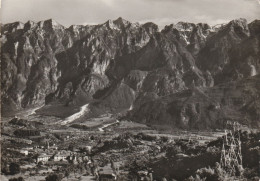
130	90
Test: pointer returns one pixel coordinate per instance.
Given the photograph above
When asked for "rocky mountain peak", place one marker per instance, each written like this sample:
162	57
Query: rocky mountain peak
204	25
120	64
117	24
239	26
29	25
12	27
218	27
254	27
185	26
151	27
121	22
50	24
240	22
189	34
76	28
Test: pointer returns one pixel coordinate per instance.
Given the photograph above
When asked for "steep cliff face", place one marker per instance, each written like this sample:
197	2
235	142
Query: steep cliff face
119	65
216	56
29	66
204	108
244	57
44	61
192	36
227	53
162	67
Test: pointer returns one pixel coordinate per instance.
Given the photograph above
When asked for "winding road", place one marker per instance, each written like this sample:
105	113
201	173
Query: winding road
107	125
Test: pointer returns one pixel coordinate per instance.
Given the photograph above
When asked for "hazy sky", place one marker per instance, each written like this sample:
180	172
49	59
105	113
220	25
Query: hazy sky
161	12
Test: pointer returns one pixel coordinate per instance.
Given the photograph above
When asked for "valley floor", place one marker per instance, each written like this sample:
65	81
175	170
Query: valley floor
102	148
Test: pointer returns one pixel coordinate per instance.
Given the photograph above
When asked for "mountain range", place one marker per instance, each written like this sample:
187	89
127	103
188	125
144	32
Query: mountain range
186	76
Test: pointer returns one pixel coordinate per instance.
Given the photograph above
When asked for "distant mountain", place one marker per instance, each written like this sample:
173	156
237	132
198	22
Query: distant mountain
119	65
204	107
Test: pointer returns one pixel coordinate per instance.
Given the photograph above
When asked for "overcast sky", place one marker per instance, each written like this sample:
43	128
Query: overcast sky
161	12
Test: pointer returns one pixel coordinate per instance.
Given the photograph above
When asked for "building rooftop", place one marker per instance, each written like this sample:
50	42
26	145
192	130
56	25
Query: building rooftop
107	170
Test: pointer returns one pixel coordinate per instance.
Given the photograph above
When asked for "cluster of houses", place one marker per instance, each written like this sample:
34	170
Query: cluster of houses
60	156
51	153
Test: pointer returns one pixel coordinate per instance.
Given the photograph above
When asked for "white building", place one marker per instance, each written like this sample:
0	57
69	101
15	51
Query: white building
43	158
60	157
25	152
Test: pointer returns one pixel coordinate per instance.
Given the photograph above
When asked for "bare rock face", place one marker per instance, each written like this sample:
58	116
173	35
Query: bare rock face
190	35
45	62
215	56
204	108
228	53
244	57
164	77
29	64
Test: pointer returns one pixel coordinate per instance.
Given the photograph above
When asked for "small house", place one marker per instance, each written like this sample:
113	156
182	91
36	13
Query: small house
60	157
43	158
106	174
25	152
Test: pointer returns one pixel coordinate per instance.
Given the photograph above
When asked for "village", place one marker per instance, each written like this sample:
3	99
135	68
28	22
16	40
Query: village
55	150
113	150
